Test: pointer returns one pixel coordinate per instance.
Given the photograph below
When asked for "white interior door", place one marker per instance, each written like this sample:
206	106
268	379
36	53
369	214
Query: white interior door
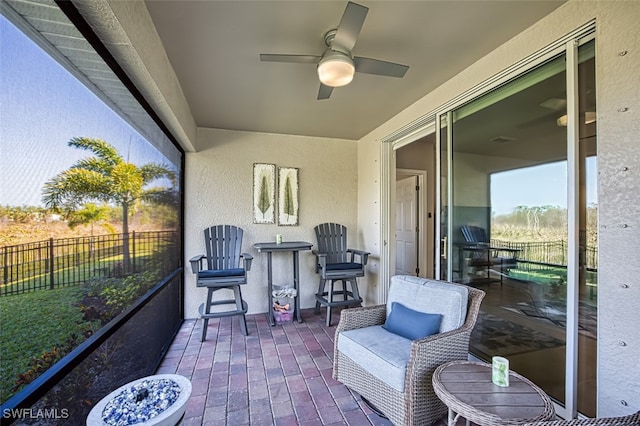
406	229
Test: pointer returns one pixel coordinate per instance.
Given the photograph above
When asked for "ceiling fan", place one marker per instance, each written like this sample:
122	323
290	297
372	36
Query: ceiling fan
336	66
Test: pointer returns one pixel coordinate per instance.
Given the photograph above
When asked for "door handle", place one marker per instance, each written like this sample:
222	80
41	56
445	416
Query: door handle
445	249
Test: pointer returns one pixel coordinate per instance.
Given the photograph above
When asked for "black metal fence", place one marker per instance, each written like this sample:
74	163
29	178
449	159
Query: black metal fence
547	253
71	261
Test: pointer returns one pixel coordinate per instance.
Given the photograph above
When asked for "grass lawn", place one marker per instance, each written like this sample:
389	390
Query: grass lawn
31	324
543	276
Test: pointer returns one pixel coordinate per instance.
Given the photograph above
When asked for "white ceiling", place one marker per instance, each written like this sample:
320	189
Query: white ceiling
214	47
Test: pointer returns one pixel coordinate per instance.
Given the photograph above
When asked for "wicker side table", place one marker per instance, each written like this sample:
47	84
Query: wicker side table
467	390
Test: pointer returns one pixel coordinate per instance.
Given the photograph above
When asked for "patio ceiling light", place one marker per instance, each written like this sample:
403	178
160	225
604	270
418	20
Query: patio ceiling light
336	69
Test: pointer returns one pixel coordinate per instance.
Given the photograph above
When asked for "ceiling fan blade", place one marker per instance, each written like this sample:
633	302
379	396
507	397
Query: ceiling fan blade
324	92
300	59
378	67
350	26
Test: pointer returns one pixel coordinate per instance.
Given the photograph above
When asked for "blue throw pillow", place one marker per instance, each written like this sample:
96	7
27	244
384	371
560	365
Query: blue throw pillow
411	324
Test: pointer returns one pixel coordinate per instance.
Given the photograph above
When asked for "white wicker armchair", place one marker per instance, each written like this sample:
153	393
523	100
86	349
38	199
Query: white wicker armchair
416	403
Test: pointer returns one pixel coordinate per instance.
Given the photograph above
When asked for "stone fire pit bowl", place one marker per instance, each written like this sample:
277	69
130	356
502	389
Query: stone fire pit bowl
159	400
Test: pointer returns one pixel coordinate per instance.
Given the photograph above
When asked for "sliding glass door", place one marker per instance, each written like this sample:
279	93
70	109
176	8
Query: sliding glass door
518	177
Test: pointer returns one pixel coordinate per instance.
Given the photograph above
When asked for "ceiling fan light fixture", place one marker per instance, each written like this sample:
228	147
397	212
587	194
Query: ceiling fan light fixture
589	118
562	121
336	70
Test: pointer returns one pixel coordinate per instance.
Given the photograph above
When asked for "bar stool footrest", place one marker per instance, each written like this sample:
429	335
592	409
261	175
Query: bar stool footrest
325	302
223	314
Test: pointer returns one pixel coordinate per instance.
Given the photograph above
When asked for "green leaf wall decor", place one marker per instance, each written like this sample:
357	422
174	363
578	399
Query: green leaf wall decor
264	185
288	196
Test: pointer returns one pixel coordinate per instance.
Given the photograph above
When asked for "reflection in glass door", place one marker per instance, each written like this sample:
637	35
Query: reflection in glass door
505	219
587	294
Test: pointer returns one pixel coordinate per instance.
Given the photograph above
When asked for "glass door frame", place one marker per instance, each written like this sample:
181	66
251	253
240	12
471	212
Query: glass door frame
445	248
573	221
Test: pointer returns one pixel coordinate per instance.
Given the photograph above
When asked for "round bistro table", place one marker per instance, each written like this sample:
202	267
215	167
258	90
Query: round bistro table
467	390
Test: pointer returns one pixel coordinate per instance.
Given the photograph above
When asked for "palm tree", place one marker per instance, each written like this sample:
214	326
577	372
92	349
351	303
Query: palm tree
89	214
106	177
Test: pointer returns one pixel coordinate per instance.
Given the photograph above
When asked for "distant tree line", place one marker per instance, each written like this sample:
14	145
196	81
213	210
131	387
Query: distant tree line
23	214
531	221
534	218
91	214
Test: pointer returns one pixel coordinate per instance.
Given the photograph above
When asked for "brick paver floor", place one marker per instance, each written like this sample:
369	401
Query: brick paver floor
274	376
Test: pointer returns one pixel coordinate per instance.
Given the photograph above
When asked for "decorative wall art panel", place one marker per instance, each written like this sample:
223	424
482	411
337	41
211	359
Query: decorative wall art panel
264	193
287	196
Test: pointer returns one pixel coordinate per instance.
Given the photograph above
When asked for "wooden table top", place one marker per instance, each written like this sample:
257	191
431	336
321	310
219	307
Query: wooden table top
466	388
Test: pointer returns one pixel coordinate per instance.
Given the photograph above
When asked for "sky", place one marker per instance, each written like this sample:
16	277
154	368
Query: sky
42	106
541	185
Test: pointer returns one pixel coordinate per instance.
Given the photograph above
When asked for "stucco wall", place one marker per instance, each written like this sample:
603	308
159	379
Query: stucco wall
369	217
618	103
219	190
618	87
